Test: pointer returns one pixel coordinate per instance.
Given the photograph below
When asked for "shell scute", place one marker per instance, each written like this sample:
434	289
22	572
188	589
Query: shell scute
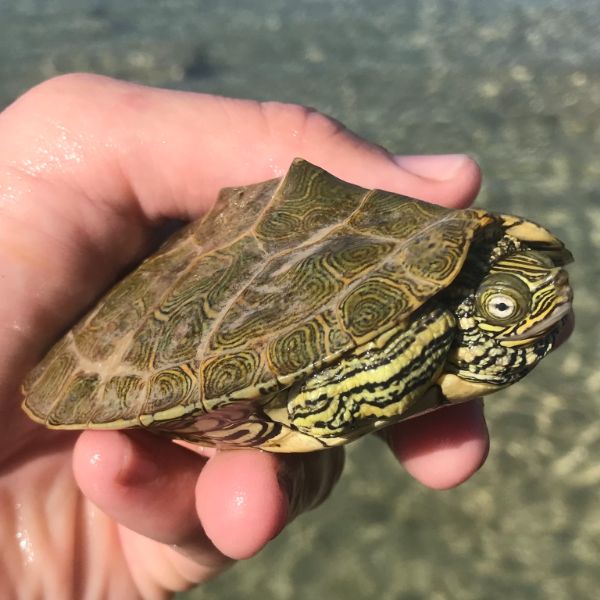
45	384
388	214
436	254
122	400
289	289
77	400
307	203
225	374
167	388
373	305
235	212
186	313
100	334
299	348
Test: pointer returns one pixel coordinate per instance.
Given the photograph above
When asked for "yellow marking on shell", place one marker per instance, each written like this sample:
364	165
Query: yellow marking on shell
459	390
31	414
146	420
379	342
118	424
251	392
160	316
292	441
170	413
70	426
287	380
225	374
171	388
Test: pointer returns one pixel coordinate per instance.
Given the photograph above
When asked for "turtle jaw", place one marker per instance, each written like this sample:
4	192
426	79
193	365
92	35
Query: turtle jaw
541	329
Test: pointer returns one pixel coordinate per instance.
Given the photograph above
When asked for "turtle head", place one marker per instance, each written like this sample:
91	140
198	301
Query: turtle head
510	322
523	299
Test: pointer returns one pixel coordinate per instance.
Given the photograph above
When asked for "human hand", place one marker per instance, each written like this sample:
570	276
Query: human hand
90	168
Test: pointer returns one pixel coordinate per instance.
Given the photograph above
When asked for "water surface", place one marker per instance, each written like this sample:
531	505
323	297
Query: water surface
516	84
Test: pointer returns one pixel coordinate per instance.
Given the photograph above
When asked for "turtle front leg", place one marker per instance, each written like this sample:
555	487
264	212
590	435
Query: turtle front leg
377	383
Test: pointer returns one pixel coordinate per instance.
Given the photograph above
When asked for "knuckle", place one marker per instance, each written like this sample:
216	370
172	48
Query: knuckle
302	125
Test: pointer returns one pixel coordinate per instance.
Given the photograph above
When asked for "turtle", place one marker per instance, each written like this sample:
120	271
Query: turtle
303	312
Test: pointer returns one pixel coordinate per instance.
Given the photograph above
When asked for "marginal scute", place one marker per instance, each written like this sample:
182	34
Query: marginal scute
177	386
338	338
122	400
44	385
224	374
78	399
298	349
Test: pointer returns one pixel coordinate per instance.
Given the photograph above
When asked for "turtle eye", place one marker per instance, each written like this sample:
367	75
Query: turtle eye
503	299
501	306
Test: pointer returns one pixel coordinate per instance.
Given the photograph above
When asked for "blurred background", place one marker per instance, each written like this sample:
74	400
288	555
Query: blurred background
517	85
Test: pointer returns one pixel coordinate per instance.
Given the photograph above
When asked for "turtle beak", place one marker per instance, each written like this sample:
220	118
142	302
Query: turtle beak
559	256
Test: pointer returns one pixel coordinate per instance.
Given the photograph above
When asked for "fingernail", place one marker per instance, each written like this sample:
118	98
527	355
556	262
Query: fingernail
439	167
138	461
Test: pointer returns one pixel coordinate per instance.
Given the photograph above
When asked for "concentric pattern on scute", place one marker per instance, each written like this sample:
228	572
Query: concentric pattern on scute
279	279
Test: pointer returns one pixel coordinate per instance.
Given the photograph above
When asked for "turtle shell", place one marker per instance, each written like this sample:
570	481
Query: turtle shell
277	281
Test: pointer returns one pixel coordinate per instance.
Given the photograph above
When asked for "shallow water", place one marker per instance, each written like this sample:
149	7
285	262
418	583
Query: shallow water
516	84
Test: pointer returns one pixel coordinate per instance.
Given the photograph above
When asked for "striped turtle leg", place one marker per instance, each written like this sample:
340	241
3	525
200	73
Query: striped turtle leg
378	381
